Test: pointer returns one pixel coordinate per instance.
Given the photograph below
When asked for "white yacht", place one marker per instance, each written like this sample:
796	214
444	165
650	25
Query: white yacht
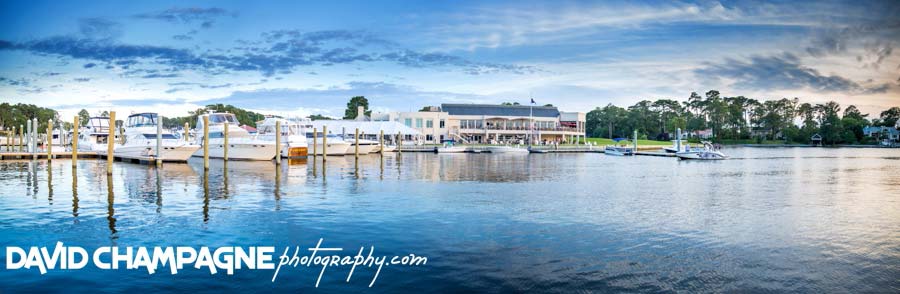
293	136
140	140
336	145
707	152
241	146
92	136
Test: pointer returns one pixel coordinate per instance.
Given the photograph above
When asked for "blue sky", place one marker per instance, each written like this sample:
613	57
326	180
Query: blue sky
299	57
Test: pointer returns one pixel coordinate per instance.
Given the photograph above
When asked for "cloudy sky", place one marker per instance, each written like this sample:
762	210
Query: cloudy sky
304	57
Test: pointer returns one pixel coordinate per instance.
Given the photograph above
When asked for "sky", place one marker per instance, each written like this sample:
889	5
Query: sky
298	58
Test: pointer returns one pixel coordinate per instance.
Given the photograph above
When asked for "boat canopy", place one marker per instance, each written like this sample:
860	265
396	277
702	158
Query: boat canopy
141	120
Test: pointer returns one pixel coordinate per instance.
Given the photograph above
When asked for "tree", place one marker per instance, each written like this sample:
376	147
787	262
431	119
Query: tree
354	102
548	105
509	103
829	122
890	117
83	117
318	117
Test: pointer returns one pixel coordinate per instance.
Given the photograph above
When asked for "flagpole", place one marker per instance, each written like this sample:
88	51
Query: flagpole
531	122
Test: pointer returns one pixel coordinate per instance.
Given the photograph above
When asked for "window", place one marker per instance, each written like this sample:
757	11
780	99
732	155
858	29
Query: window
429	123
407	122
429	138
442	125
419	123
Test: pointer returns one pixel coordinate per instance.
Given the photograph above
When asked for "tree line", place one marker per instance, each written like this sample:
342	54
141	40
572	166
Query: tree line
738	118
16	115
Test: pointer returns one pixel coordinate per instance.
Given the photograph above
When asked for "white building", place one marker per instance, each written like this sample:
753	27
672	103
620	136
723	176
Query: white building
484	123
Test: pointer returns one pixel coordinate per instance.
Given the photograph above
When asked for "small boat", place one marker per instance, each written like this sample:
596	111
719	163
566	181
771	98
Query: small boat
58	141
449	148
241	146
389	148
707	152
140	140
507	150
618	151
365	146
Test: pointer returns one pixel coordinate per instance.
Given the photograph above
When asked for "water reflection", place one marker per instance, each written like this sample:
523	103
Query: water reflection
110	209
771	221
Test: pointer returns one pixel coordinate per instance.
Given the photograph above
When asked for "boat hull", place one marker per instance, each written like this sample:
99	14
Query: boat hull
456	149
508	150
241	151
701	155
169	152
333	148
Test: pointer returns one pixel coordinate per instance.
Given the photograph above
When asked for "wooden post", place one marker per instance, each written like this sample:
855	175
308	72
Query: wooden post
225	138
324	143
381	141
34	139
315	138
75	141
356	150
399	143
14	140
187	132
49	142
21	130
278	142
158	151
110	141
206	142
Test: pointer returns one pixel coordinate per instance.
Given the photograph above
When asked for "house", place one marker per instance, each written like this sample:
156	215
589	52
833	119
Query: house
701	134
882	133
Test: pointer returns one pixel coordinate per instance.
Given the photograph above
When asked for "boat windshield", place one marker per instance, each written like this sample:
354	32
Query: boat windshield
218	118
142	120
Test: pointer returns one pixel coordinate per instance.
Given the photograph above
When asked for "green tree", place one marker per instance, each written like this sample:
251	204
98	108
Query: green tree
318	117
356	101
83	117
890	117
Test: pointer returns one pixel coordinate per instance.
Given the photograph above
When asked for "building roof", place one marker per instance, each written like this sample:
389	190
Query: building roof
499	110
873	129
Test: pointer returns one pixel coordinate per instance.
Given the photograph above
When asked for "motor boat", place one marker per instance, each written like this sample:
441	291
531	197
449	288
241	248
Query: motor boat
507	150
140	140
293	135
450	148
241	146
707	152
388	148
92	136
618	151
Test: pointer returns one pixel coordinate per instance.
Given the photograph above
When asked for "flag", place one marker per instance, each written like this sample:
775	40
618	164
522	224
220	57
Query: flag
532	100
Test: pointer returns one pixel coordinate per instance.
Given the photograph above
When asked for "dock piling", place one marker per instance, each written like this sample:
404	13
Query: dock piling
34	141
277	142
21	137
75	141
315	138
187	132
110	141
381	141
399	143
158	152
225	146
324	144
206	142
356	150
49	142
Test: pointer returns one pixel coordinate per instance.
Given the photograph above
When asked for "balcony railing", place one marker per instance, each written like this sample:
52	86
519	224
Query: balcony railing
500	128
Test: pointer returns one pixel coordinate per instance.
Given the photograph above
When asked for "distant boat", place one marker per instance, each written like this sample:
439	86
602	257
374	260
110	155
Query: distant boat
618	150
674	147
707	152
92	137
241	145
507	150
449	148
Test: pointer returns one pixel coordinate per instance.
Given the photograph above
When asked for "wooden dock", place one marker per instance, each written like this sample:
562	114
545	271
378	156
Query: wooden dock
43	155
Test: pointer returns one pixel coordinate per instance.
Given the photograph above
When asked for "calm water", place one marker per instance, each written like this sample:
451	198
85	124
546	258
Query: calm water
793	219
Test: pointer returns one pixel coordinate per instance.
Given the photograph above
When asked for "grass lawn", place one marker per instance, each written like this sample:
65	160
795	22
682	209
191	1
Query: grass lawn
605	141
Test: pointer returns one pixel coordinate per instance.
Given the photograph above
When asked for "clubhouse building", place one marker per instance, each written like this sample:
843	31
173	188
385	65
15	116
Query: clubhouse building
491	124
